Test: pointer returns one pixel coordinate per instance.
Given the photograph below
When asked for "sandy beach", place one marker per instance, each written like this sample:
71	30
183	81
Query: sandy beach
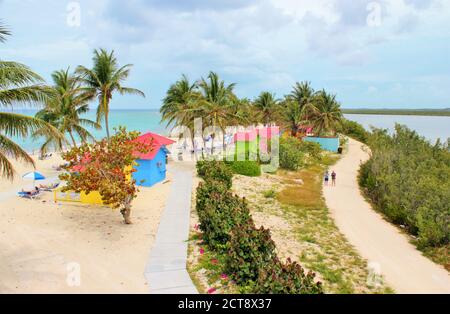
43	244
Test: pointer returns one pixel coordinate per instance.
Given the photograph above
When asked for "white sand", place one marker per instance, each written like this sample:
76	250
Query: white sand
40	239
382	244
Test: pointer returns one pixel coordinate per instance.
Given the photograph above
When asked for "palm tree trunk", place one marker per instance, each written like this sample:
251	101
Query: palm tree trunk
107	124
73	139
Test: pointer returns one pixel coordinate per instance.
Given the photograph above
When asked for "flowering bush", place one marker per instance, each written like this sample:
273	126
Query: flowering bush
215	170
105	166
250	251
286	278
219	213
247	253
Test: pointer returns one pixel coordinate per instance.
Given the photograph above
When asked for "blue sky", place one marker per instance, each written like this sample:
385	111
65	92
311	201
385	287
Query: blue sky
372	54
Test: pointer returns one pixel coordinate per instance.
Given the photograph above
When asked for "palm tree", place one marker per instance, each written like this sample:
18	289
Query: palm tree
105	79
267	106
242	113
19	86
326	114
180	106
63	111
217	101
293	116
302	94
297	106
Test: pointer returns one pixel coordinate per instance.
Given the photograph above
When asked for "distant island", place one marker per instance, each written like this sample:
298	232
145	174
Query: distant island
400	112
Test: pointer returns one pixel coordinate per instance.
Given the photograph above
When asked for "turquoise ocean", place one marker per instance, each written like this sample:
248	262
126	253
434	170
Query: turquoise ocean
144	121
134	120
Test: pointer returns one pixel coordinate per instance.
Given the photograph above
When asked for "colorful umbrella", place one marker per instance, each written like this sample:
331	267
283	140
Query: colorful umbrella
35	176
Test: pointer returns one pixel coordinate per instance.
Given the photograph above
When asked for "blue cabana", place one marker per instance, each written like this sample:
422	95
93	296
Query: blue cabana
326	143
151	167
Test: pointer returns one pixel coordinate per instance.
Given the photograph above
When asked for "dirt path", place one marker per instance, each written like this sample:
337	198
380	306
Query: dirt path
404	268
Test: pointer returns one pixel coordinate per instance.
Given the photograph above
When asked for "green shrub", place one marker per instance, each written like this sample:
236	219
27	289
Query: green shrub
286	278
270	194
219	213
291	155
312	149
250	251
210	189
246	168
408	179
215	170
354	130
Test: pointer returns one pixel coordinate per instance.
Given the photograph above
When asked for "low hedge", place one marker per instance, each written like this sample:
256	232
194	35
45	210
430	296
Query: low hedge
219	213
286	278
250	251
215	170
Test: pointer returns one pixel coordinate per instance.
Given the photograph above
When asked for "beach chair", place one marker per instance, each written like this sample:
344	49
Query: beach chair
49	188
29	195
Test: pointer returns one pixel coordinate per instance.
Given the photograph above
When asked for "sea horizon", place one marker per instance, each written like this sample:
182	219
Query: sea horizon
430	127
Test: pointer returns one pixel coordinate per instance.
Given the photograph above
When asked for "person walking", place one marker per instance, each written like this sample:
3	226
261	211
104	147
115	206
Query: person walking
327	177
333	178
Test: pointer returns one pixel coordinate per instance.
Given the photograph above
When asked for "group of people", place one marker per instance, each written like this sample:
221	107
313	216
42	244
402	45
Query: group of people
333	178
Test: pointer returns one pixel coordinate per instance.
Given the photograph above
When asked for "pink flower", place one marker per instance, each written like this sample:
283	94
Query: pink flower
196	227
214	261
212	290
202	251
224	277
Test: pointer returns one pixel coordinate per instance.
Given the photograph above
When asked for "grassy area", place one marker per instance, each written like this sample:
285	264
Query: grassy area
292	206
400	112
206	268
439	255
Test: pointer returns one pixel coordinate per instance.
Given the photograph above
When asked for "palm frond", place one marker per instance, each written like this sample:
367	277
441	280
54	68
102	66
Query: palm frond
17	74
89	123
13	124
9	149
32	95
3	32
131	91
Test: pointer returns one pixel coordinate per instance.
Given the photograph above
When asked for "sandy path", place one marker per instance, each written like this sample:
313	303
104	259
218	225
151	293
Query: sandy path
404	268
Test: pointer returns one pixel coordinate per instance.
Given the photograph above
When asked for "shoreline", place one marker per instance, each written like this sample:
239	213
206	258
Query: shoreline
399	112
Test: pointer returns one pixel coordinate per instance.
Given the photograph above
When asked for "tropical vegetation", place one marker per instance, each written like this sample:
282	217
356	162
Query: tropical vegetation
104	79
248	252
20	86
408	179
65	110
215	102
106	167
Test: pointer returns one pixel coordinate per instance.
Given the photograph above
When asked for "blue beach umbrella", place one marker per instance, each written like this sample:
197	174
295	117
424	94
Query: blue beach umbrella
35	176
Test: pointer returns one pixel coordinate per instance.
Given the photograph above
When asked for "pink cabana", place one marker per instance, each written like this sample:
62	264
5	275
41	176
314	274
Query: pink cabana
306	129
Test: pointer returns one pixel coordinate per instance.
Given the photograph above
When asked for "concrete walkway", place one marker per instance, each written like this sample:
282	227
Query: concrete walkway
166	268
404	268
